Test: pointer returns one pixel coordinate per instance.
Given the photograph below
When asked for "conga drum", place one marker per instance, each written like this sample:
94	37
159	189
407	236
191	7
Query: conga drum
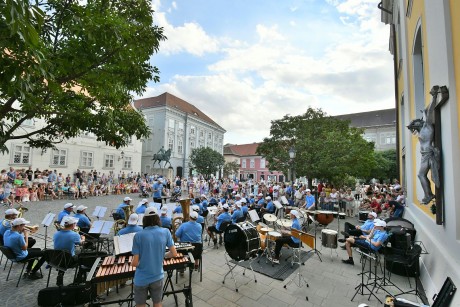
324	217
329	238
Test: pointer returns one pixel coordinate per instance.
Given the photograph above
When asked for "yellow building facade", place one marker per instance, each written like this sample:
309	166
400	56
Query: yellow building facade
425	43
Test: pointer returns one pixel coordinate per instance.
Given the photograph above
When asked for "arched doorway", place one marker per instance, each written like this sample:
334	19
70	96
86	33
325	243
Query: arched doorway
179	171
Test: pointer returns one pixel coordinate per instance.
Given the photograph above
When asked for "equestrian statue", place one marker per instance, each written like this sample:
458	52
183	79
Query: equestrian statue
162	155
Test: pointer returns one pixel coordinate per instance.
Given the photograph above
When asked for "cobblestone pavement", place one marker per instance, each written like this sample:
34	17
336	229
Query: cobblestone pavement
331	283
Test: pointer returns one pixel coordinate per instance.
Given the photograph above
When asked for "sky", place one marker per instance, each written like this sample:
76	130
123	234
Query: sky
246	63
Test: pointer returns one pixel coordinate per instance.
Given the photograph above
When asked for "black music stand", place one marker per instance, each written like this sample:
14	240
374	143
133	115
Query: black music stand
49	218
296	259
371	275
314	250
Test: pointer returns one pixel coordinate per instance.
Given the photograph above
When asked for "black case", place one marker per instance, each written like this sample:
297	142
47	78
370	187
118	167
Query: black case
66	295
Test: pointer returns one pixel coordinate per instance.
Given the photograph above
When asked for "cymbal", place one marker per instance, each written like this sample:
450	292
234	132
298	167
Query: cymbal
284	222
270	217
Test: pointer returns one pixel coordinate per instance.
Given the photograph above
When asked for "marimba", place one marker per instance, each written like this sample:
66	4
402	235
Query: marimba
183	246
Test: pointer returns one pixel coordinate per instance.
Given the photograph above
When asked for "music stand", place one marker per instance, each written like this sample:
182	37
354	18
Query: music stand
101	227
254	216
49	218
279	207
99	212
304	238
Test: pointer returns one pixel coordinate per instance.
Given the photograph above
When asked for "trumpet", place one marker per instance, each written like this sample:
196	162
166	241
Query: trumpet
31	229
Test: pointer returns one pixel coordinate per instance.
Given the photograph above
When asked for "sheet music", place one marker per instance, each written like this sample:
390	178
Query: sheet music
49	218
123	244
277	204
99	211
253	215
102	227
284	200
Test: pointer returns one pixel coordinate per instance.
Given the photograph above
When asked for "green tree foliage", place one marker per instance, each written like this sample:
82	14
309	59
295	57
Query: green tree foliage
75	65
206	161
326	147
386	168
231	168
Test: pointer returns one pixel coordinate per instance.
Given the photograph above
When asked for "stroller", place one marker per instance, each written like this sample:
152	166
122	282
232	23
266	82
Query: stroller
176	194
144	192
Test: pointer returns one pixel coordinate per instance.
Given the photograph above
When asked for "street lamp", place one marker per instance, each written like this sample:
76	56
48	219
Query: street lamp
292	157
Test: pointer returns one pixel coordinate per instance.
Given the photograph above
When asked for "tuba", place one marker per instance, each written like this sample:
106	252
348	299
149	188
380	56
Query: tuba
21	210
177	221
121	223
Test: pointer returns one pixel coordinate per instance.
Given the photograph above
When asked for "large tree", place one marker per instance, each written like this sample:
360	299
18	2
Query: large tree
75	65
386	168
231	168
326	147
206	161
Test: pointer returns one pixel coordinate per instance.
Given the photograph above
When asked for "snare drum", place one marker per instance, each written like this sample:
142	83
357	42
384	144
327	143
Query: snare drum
284	223
324	217
265	230
329	238
273	235
270	217
342	215
362	217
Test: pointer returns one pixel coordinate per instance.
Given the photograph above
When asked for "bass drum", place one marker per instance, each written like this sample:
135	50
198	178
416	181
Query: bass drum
242	241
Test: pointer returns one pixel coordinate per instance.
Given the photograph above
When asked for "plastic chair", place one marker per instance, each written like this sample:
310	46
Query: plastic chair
61	260
10	256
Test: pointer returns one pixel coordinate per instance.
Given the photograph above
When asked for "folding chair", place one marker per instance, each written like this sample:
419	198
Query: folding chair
10	256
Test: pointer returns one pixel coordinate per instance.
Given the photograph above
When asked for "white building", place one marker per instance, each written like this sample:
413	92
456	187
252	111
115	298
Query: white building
177	125
83	152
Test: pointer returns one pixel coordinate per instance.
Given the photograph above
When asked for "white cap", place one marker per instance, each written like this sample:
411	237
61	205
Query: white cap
68	205
225	206
11	211
164	210
195	208
260	194
150	211
268	197
144	201
308	190
238	204
68	220
20	221
133	218
373	214
193	215
203	196
238	195
127	198
378	222
234	192
295	213
81	208
251	194
243	200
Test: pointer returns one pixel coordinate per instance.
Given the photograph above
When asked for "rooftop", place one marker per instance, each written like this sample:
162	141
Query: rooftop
385	117
241	150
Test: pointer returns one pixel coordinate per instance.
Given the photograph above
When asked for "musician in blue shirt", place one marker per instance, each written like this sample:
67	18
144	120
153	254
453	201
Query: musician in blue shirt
178	209
200	219
5	224
126	202
356	231
191	232
224	216
165	220
68	209
289	240
149	246
143	204
309	200
237	213
132	226
270	206
374	241
83	221
244	207
157	191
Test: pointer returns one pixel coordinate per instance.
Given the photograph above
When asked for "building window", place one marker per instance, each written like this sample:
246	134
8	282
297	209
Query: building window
371	137
201	143
86	159
59	157
418	73
180	128
201	133
209	136
243	163
171	144
21	154
127	162
192	130
192	144
387	138
171	124
28	122
262	163
252	163
180	146
109	160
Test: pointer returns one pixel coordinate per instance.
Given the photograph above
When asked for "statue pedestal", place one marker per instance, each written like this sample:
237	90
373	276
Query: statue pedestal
165	172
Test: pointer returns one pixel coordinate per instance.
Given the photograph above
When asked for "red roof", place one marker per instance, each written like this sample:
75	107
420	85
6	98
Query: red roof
244	149
167	99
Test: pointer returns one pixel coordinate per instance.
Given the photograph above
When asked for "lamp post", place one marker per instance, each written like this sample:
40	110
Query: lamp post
292	157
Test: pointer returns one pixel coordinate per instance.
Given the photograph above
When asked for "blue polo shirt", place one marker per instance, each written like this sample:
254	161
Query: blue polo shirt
15	241
200	219
271	207
368	225
236	215
120	210
129	229
204	205
61	215
159	188
309	201
66	240
189	232
244	209
260	203
178	209
150	244
141	209
4	228
379	236
295	225
223	217
165	221
83	220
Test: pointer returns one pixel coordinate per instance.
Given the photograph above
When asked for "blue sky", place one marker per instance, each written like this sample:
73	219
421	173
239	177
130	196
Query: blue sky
245	63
